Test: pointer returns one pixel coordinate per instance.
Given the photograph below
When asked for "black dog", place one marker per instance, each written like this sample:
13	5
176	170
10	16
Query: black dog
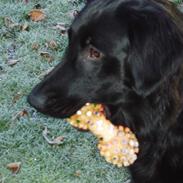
127	55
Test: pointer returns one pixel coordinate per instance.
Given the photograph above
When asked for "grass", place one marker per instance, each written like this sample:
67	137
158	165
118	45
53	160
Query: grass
76	160
178	1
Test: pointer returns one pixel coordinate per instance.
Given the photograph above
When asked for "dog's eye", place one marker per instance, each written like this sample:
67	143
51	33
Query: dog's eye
94	54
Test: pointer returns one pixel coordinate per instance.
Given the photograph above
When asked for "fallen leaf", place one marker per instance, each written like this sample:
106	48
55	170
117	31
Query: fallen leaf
56	141
35	46
12	62
8	22
77	173
62	27
53	45
14	167
20	114
16	97
37	15
46	56
73	14
23	113
24	27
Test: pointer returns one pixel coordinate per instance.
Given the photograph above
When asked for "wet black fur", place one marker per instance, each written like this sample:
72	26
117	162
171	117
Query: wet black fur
139	79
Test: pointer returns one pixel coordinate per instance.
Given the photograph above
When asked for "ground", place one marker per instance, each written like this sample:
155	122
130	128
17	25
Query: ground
77	159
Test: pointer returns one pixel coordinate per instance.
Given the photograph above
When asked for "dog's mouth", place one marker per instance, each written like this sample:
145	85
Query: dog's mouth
59	107
69	109
55	107
64	110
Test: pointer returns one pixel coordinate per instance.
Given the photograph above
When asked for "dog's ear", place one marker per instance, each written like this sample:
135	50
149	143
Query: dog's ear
156	44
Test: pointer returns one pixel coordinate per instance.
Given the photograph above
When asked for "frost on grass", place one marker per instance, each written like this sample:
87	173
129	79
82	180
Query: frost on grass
22	65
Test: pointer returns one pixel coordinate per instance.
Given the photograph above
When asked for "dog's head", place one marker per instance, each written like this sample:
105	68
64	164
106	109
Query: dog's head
117	49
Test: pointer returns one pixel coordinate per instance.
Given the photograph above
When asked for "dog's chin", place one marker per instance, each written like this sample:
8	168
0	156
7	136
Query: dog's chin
59	115
68	111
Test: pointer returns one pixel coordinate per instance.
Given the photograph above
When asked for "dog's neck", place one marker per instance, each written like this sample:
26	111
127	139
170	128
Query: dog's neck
151	116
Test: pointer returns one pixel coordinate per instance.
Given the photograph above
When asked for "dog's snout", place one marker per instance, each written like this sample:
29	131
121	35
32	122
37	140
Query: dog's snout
37	101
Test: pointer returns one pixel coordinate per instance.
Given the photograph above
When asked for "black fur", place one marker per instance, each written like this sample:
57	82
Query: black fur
138	79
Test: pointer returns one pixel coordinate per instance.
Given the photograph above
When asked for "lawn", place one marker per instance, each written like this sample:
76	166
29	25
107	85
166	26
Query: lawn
28	50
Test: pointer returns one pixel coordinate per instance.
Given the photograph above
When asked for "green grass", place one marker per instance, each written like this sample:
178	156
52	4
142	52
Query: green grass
21	138
77	160
178	1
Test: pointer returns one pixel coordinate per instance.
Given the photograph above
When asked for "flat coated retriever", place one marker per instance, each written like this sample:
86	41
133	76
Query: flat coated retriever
128	56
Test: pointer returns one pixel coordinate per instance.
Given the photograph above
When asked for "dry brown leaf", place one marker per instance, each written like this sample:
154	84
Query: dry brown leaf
37	15
52	44
77	173
8	22
16	97
73	14
46	56
56	141
35	46
24	27
12	62
23	113
62	27
14	167
20	114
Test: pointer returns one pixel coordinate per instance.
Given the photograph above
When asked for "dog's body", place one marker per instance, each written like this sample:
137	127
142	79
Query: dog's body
127	55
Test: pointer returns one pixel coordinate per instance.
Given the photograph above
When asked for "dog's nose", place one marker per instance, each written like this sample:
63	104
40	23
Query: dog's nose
37	101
